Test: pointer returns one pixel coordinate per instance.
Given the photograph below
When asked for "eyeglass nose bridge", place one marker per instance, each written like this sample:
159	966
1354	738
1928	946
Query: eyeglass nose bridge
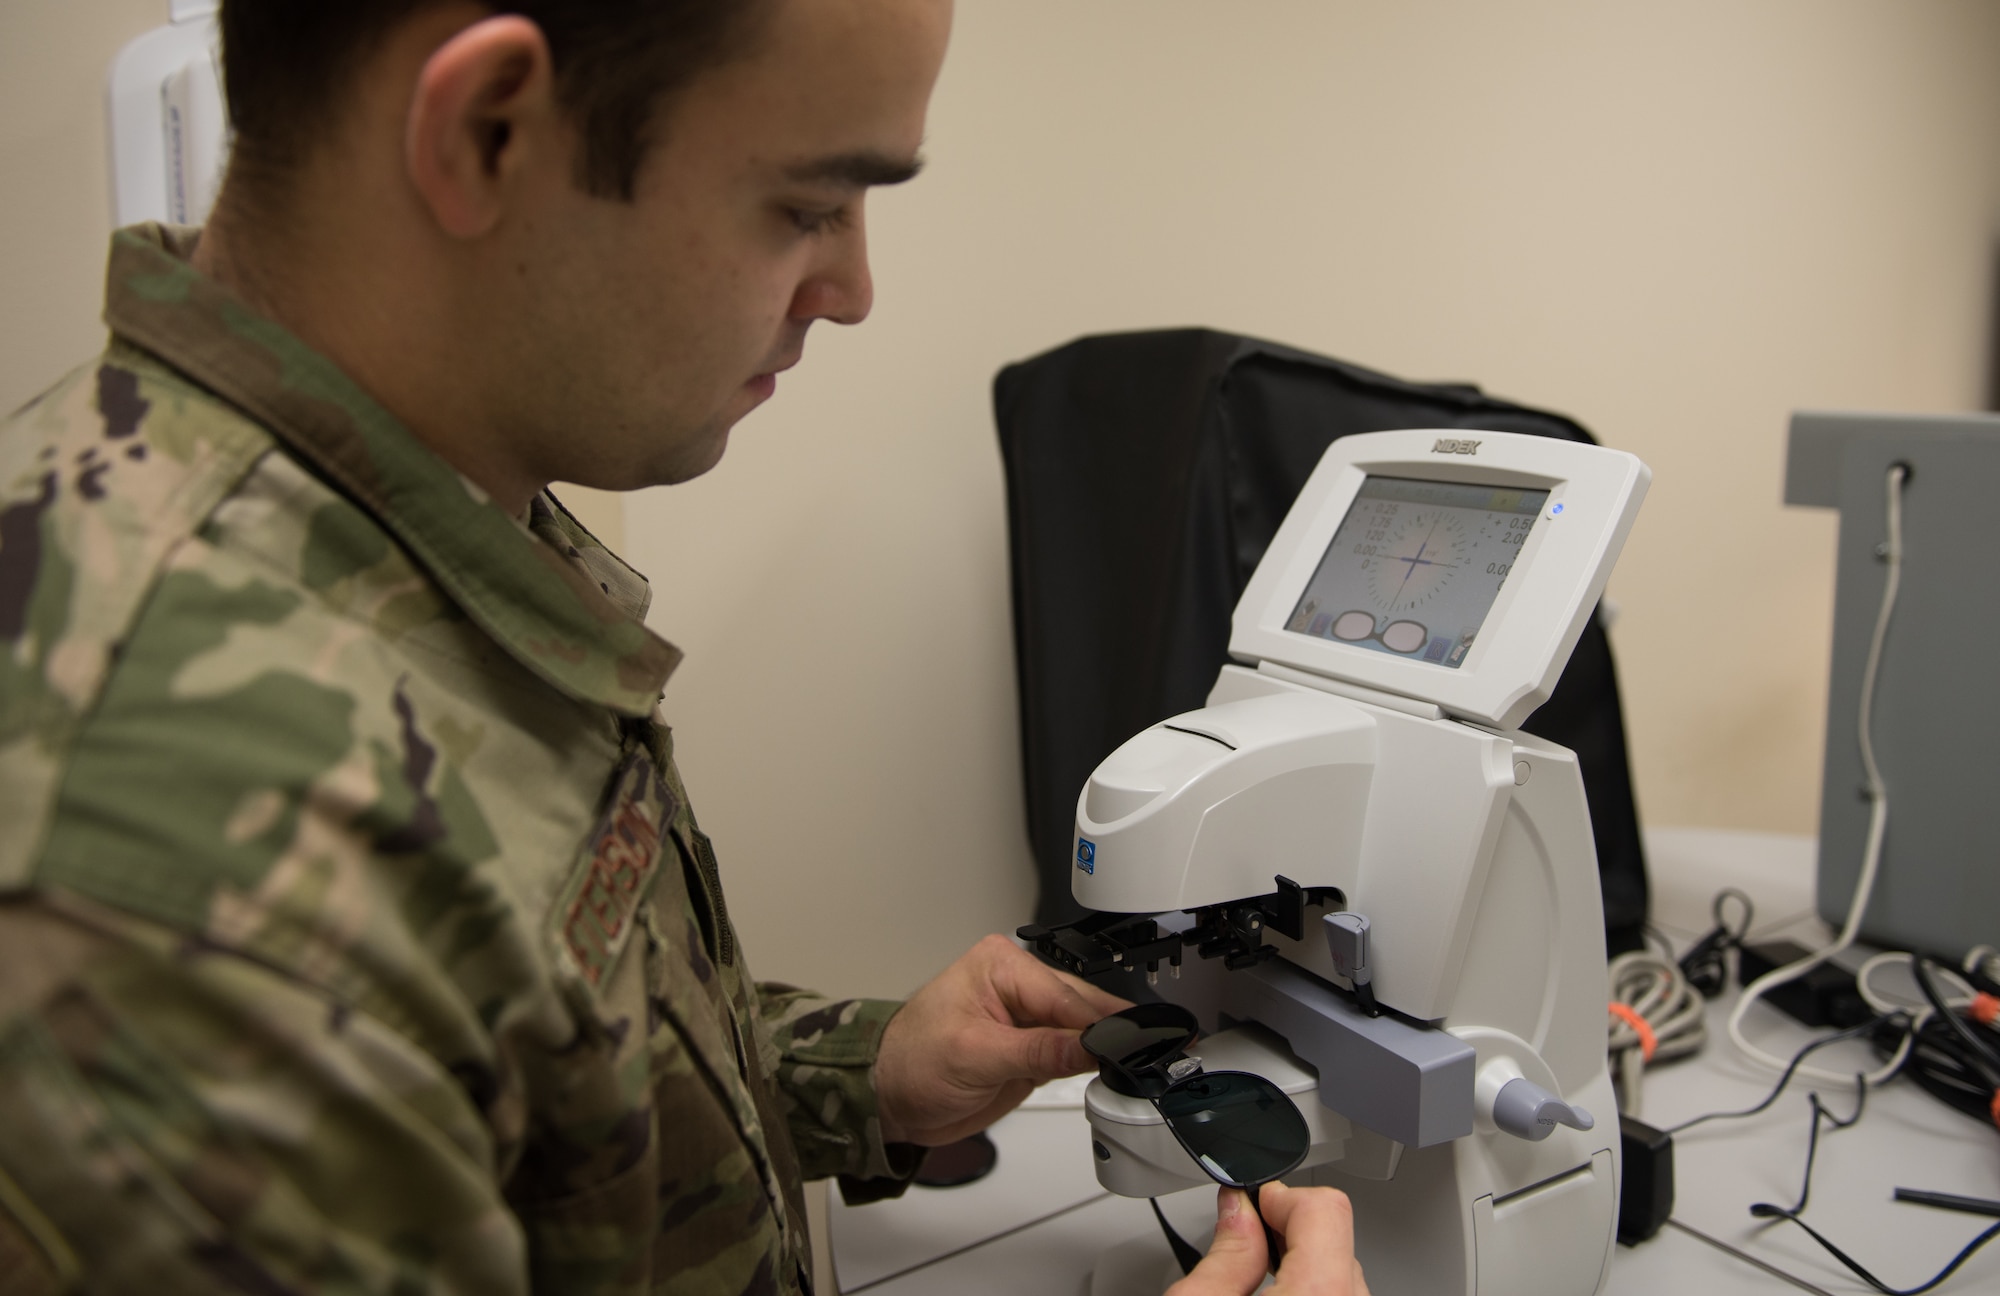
1151	1080
1141	1052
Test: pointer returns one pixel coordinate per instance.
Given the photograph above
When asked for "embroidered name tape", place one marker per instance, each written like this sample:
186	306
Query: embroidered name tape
604	892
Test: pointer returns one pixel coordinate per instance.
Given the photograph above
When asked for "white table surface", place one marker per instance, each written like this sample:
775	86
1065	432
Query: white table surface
1040	1222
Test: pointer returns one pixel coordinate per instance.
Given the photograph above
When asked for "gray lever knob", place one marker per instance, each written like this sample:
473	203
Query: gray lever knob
1526	1110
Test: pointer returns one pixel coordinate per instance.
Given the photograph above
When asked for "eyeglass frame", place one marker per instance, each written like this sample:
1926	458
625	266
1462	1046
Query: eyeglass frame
1170	1072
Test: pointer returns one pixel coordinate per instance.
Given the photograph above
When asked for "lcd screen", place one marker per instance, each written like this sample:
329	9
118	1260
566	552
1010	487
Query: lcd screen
1415	567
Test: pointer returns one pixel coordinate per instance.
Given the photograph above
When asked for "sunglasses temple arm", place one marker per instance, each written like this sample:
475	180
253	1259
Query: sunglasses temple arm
1274	1245
1187	1257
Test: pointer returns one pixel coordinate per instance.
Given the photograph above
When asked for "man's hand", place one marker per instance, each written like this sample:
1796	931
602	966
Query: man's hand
1318	1227
969	1046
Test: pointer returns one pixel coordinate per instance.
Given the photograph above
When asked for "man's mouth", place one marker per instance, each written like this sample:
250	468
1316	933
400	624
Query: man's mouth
766	382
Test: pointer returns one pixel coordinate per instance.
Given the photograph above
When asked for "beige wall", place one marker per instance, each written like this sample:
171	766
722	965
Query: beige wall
55	216
1675	222
55	204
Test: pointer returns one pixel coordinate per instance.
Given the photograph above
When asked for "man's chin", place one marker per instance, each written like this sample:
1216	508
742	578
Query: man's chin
694	460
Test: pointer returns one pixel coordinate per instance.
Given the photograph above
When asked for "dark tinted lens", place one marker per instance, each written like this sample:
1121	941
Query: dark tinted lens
1240	1127
1142	1036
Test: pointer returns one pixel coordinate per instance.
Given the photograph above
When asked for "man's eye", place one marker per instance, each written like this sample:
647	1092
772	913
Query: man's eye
814	220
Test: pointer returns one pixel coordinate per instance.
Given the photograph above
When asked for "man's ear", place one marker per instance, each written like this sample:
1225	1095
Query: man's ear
484	109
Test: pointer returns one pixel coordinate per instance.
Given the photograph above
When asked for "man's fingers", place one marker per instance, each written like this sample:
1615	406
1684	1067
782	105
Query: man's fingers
1318	1227
1236	1261
1035	994
1102	1002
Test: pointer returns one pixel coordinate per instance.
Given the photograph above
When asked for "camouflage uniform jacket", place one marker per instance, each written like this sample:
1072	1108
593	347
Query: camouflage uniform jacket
355	931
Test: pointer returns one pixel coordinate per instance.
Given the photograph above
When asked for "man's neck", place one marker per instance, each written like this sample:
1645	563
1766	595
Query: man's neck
362	306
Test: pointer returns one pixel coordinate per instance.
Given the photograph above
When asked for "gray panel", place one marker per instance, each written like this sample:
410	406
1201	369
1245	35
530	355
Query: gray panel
1818	441
1409	1083
1937	703
1812	458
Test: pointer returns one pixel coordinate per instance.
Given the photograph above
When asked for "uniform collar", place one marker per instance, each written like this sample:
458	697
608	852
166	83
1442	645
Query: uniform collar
553	597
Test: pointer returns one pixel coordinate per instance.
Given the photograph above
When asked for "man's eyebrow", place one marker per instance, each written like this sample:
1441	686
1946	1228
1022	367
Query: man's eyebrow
861	170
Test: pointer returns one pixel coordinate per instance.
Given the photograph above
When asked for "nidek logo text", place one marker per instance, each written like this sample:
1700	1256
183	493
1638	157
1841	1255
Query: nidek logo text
1086	855
1455	445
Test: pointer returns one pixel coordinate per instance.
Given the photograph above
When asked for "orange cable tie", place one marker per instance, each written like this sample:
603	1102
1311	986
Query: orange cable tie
1648	1041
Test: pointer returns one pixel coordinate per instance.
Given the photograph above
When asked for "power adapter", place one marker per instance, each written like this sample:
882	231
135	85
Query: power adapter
1646	1197
1825	996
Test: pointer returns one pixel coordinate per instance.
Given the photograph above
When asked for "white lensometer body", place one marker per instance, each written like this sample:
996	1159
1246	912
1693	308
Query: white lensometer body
1392	891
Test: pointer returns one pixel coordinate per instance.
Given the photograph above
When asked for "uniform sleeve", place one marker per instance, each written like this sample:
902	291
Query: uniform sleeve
177	1119
826	1060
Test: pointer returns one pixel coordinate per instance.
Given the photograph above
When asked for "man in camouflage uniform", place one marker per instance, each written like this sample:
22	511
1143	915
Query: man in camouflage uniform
356	932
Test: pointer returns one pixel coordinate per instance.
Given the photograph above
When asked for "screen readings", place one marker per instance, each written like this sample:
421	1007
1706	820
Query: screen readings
1415	567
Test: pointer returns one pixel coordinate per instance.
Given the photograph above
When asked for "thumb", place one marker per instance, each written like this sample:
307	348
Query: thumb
1236	1261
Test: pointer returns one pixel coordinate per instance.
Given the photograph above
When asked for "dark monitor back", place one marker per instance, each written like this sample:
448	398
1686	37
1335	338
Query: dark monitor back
1146	475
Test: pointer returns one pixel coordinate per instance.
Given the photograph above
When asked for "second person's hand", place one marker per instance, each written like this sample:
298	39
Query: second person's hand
1317	1225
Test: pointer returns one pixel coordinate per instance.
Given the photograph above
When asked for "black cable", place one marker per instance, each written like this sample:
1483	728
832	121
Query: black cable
1705	965
1774	1213
1949	1201
1880	1286
1988	1054
1184	1253
1939	1065
1977	978
1765	1210
1790	1070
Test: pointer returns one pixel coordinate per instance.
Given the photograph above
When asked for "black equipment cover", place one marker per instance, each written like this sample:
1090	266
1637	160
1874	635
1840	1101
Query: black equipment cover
1146	474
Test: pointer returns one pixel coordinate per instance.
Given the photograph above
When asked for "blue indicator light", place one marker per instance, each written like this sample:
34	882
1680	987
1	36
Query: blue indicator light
1556	511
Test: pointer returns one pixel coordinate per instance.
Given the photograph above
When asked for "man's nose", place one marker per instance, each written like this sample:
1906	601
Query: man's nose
841	288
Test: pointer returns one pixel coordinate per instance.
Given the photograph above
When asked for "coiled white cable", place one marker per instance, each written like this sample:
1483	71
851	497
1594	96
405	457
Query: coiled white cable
1662	1019
1884	995
1878	823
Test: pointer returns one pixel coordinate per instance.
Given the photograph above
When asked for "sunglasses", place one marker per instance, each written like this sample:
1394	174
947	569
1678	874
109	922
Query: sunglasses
1240	1128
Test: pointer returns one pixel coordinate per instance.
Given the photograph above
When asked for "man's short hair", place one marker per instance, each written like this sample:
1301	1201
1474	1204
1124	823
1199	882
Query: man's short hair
617	63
